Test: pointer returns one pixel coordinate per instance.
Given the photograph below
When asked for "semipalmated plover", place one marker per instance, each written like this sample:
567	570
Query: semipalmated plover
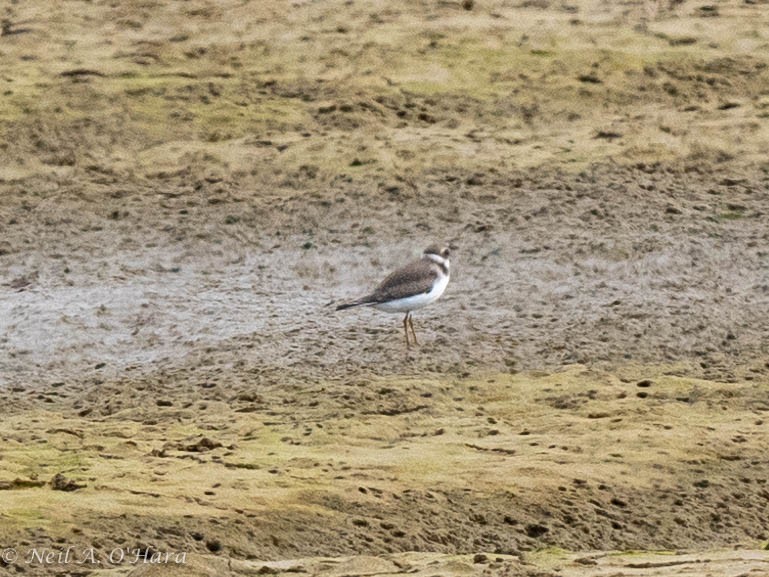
409	288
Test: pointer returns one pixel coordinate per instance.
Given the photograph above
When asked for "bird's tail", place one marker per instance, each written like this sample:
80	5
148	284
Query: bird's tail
356	303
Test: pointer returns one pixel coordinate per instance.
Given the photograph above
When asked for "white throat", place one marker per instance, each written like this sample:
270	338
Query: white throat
438	259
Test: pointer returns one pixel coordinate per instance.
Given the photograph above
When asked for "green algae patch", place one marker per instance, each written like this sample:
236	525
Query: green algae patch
516	86
550	558
529	457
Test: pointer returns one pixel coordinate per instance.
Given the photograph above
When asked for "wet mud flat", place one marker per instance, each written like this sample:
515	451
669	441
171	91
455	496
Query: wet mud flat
514	474
187	189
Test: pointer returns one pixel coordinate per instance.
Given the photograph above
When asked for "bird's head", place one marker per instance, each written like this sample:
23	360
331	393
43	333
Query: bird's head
437	253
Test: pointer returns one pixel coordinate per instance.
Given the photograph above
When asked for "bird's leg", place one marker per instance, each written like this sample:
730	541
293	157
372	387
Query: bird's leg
406	329
411	324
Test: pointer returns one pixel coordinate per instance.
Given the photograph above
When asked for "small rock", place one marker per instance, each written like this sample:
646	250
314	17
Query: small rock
61	483
536	530
202	445
214	545
589	78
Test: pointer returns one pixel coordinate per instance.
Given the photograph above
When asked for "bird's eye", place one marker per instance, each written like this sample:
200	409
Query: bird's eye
446	252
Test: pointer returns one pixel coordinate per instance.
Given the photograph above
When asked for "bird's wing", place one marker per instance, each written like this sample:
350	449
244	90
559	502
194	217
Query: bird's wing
415	278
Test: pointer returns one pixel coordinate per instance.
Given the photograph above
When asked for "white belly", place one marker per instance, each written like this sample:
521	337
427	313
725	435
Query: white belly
411	303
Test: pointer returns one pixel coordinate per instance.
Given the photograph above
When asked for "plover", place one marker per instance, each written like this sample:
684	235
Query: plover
409	288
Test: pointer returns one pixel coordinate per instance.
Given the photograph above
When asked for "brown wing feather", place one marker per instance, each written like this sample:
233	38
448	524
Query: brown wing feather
414	278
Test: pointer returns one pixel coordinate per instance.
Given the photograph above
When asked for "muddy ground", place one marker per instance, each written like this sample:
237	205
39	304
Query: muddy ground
187	189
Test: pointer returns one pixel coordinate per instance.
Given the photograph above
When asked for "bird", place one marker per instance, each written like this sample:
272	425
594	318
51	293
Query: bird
411	287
